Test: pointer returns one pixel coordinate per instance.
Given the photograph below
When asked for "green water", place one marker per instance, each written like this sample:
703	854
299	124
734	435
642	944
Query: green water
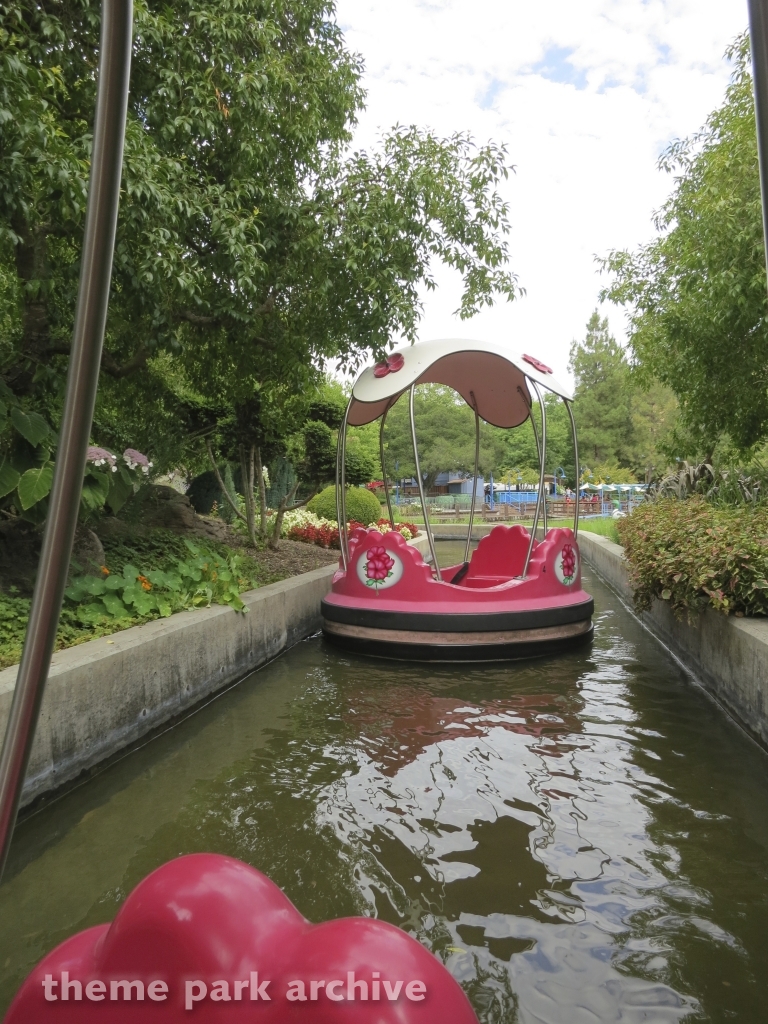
581	839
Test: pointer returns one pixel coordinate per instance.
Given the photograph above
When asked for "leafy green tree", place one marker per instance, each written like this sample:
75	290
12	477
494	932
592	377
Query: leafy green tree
601	398
696	295
445	431
252	245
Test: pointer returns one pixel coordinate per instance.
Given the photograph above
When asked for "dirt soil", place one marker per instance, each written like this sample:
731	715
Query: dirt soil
291	559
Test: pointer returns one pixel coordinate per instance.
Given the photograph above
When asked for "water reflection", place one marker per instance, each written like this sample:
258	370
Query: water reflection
580	839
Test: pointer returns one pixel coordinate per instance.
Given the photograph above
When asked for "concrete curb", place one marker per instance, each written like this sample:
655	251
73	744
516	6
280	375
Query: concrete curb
104	696
728	656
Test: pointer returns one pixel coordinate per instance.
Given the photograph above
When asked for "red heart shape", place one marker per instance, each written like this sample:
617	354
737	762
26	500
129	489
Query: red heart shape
206	926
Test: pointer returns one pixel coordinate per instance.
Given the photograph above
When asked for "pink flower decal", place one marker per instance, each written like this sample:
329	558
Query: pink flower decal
569	563
537	364
379	565
391	364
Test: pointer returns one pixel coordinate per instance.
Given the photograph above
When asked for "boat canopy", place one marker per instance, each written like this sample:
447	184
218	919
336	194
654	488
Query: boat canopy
489	377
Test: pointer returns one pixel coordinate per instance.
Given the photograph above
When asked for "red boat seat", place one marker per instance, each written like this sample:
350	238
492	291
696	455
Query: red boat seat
498	558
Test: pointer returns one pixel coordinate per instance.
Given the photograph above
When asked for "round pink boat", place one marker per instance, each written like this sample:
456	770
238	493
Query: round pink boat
516	596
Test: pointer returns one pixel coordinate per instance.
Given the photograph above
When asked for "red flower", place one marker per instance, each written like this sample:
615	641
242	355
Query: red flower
537	364
379	563
392	364
569	561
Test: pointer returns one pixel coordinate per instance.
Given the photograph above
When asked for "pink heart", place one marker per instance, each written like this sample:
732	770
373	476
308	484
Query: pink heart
206	919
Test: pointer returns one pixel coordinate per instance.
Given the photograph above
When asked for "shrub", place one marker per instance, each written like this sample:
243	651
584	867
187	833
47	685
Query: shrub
694	554
361	505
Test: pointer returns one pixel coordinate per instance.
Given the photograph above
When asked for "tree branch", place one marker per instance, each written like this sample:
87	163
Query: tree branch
220	482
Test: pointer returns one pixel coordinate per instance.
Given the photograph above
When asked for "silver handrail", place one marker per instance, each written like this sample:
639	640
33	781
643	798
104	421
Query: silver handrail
79	402
384	468
420	482
542	458
474	479
343	539
578	468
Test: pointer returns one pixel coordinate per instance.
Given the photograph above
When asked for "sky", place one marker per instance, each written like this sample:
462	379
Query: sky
586	94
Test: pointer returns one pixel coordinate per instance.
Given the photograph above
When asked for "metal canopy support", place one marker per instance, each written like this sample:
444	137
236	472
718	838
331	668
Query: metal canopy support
341	491
578	469
542	458
420	482
474	479
384	468
77	417
758	30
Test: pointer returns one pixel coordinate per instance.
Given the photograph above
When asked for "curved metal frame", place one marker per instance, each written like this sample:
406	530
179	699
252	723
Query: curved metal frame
542	459
341	487
474	479
420	482
578	469
79	402
384	468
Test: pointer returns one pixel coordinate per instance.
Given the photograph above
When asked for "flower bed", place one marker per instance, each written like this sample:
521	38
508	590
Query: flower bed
694	554
309	528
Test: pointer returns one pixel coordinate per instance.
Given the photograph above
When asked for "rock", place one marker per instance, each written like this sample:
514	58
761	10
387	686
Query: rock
87	554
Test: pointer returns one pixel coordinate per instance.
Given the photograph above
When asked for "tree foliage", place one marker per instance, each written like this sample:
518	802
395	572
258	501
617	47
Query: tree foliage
696	295
253	245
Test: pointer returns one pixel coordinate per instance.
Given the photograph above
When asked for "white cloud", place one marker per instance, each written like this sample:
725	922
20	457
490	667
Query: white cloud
585	93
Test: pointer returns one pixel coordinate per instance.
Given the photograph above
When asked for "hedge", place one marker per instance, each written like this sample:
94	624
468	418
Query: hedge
362	506
694	555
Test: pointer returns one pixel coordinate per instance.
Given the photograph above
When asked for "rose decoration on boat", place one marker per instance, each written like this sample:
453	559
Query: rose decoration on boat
391	364
568	564
379	568
537	364
379	565
209	939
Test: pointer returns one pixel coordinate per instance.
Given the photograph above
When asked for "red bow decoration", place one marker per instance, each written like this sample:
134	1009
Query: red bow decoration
391	364
537	364
211	935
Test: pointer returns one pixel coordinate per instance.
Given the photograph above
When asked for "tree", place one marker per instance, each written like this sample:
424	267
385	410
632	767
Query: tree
601	398
696	295
252	245
445	432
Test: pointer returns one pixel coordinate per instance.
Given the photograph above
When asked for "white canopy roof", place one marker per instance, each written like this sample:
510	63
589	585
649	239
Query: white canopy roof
490	372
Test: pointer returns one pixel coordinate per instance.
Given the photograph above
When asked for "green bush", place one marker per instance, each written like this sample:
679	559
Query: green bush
362	506
694	554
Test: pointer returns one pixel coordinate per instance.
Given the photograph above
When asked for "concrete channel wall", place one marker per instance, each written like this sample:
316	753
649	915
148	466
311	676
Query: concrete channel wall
104	696
728	656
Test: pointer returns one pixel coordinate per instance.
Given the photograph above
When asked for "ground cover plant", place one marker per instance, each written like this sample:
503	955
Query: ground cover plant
146	577
694	554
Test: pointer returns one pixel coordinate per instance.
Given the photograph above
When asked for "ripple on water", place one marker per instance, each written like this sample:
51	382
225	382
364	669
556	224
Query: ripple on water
580	839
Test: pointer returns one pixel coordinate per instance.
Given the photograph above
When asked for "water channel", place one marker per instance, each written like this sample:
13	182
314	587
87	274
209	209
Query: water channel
580	839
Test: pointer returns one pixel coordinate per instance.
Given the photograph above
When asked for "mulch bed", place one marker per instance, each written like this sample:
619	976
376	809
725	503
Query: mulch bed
291	558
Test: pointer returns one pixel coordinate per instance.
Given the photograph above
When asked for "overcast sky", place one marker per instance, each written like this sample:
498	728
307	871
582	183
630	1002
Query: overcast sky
585	93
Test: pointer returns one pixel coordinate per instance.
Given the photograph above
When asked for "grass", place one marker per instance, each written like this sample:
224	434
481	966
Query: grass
606	527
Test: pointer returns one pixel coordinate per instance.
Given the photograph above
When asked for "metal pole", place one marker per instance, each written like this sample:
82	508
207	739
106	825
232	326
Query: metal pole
77	416
384	468
343	539
427	527
758	30
474	479
578	471
338	498
542	451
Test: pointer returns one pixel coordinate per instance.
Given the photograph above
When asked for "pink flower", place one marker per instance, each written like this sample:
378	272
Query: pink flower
101	457
379	563
569	561
135	459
